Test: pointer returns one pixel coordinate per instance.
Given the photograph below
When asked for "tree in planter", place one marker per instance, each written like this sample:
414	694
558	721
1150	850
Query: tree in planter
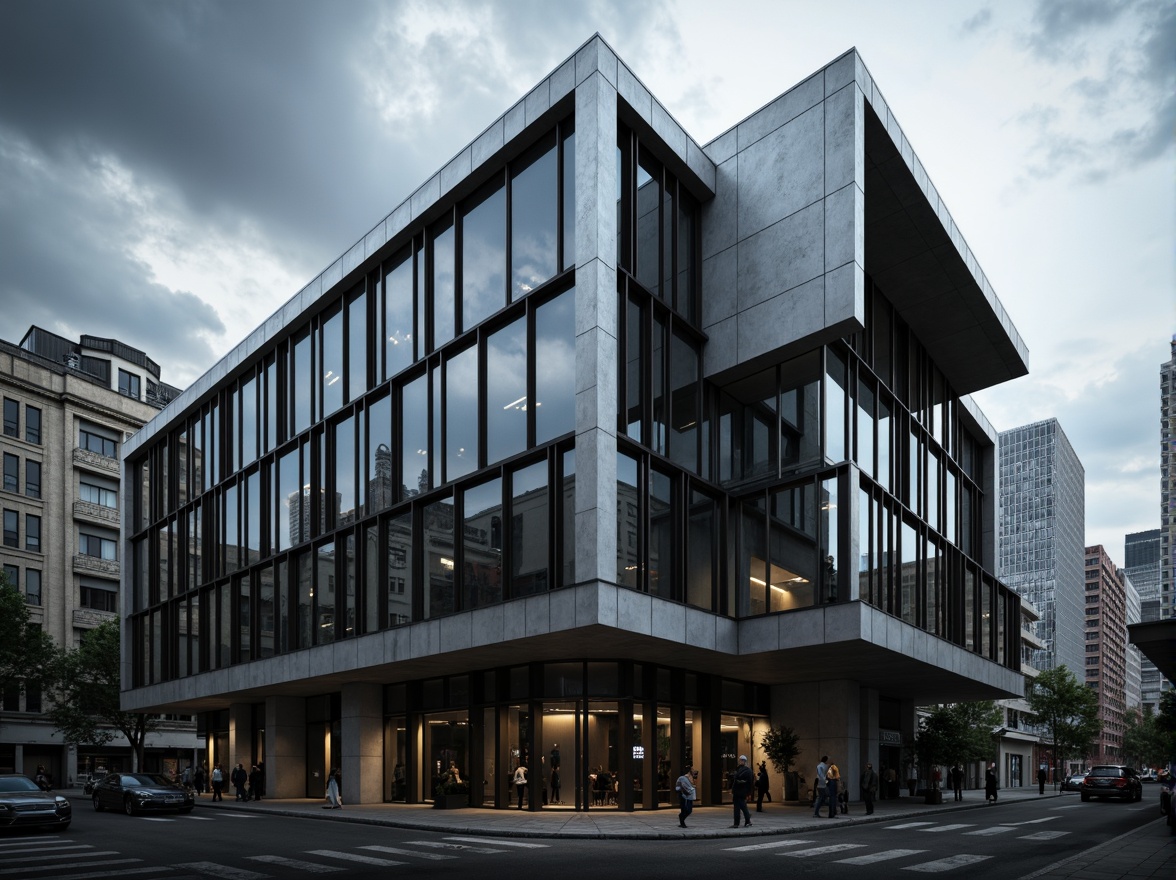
84	685
1067	709
780	747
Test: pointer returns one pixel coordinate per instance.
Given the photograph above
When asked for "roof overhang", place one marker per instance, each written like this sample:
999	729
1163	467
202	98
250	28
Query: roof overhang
1157	640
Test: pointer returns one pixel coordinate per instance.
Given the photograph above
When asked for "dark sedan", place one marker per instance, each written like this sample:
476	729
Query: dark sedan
24	805
1112	780
141	793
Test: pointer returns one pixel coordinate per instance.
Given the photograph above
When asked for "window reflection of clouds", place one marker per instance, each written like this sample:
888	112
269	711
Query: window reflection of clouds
483	259
534	224
443	287
461	407
555	370
398	301
506	391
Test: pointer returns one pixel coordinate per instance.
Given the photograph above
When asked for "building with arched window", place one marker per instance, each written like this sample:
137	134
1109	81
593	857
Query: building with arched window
602	452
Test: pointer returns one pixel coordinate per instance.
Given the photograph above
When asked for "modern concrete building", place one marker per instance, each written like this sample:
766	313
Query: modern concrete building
603	451
1106	651
1133	680
68	408
1041	536
1142	564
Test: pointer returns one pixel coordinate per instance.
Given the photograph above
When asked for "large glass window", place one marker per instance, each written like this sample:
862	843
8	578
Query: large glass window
661	535
12	530
507	402
528	530
555	367
381	491
534	219
32	533
701	539
11	472
331	361
11	417
628	523
398	317
483	257
648	222
357	343
482	545
129	384
344	499
443	286
438	524
32	425
400	569
325	597
835	401
94	442
248	432
33	589
414	436
685	402
100	495
461	405
300	382
95	546
569	200
568	518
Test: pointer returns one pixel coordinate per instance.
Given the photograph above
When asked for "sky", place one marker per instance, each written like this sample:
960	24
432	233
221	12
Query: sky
172	172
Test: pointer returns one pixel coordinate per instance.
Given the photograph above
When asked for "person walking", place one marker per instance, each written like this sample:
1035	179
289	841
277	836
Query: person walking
520	782
955	776
186	778
833	778
741	786
200	779
990	784
761	787
334	801
555	786
821	789
686	793
869	787
1041	777
255	784
218	782
239	777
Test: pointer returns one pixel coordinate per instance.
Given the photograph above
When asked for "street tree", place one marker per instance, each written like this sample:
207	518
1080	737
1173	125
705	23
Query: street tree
25	649
85	692
1143	740
957	733
1068	711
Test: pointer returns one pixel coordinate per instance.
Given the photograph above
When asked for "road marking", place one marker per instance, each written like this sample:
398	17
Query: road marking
156	819
1044	835
1033	821
215	870
200	818
309	867
948	864
397	851
4	858
941	828
871	858
101	864
907	825
437	844
19	841
821	850
492	840
751	847
27	848
354	857
988	832
96	875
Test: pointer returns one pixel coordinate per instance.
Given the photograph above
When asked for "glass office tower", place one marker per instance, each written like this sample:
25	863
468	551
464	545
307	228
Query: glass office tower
601	453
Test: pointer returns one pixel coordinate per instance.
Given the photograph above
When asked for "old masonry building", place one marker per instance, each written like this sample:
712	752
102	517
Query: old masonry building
603	452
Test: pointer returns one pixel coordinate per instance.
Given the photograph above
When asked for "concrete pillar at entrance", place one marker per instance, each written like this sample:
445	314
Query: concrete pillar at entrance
240	740
363	742
826	715
285	748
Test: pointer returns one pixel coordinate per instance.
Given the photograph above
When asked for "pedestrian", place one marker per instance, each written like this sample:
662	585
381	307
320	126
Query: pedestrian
555	786
833	779
334	800
761	787
520	782
255	784
200	779
955	776
186	777
239	777
741	786
990	784
869	787
1041	777
686	793
218	782
891	777
821	789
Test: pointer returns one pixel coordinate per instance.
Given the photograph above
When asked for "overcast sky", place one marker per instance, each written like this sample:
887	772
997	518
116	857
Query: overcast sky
172	172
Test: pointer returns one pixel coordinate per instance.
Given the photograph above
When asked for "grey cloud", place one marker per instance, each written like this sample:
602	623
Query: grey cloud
978	22
1060	24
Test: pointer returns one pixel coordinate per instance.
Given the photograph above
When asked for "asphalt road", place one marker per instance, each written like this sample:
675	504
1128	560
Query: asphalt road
1007	840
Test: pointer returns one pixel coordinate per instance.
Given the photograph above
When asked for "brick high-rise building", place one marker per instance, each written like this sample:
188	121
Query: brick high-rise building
1106	650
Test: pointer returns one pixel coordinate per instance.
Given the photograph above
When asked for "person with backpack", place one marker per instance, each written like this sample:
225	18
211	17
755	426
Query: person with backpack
686	793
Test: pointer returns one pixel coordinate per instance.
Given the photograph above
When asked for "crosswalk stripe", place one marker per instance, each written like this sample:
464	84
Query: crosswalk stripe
947	864
1044	835
821	850
6	860
941	828
988	832
438	844
397	851
103	863
871	858
1033	821
309	867
122	872
215	870
20	841
157	819
40	849
492	840
201	818
906	825
751	847
354	857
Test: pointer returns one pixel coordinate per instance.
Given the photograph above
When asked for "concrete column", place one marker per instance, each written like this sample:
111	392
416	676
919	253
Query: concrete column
285	748
869	750
363	743
240	739
827	716
596	325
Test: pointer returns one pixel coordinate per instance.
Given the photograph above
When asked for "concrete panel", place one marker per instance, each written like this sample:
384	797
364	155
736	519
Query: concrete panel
700	628
726	635
587	532
352	259
538	101
865	81
720	214
563	610
455	632
758	634
782	110
426	196
634	94
634	612
376	238
563	80
486	625
841	72
457	170
782	256
844	139
781	173
399	219
665	127
669	621
700	164
720	286
723	147
369	650
845	295
362	734
537	615
514	620
514	122
487	144
595	55
424	639
722	351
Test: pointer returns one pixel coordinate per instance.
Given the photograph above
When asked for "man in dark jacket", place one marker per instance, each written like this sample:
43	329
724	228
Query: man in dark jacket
239	777
741	787
869	787
255	784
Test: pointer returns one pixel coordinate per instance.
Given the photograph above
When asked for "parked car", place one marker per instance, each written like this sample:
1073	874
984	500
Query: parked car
1148	775
24	805
141	792
1112	780
1073	782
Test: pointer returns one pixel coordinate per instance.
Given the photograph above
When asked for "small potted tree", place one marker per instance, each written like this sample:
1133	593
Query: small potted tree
780	747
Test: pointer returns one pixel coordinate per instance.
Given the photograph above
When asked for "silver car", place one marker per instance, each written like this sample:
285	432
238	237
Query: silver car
141	792
24	805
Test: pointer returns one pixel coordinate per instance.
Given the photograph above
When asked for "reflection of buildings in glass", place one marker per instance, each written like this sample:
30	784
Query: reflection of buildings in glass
300	509
381	492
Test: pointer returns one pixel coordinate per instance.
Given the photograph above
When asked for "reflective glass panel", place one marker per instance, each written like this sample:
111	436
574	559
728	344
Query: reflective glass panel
555	367
568	491
248	422
569	200
289	525
661	536
648	242
506	391
438	525
399	569
443	286
529	530
628	523
357	344
482	545
414	437
835	398
700	551
461	407
381	490
800	407
398	302
325	594
684	390
343	500
534	223
483	259
331	361
266	613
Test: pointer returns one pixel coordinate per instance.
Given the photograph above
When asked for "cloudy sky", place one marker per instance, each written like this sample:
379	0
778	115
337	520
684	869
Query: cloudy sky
172	172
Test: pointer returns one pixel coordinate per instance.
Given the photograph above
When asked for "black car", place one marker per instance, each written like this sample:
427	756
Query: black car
140	793
1112	780
23	804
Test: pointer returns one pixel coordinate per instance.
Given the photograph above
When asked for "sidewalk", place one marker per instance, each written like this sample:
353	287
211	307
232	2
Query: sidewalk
1147	852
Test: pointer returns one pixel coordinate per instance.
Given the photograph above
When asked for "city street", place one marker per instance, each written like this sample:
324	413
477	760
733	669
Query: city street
1015	839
